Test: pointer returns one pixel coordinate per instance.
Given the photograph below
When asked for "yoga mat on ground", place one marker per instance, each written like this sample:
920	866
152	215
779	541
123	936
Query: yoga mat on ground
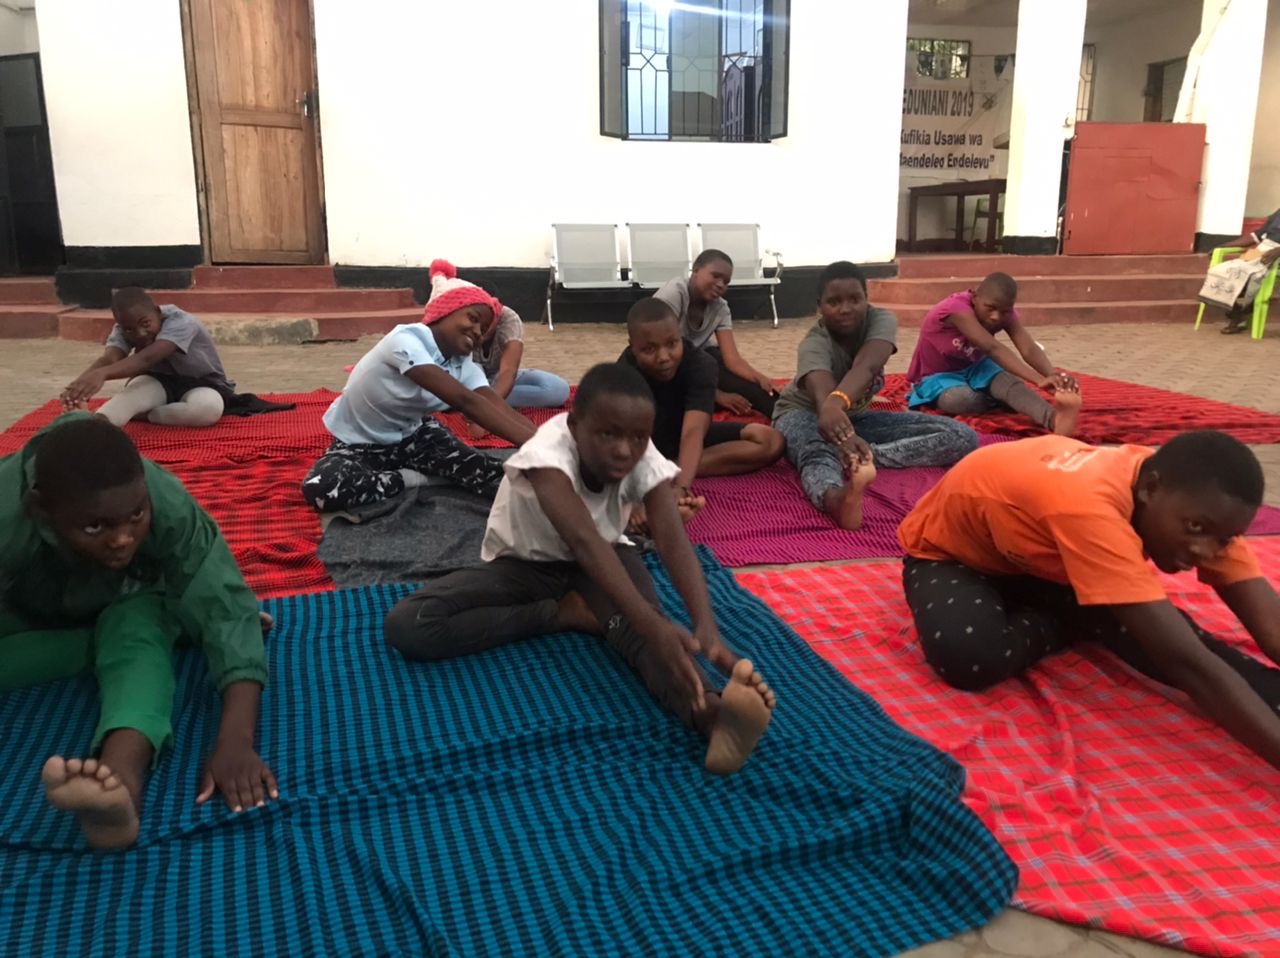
1123	808
1118	412
295	432
429	530
532	800
765	517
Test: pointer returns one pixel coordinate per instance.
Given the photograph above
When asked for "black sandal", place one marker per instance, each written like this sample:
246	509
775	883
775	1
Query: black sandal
1232	328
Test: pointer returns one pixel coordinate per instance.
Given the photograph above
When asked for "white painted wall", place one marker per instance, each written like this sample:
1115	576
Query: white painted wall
444	136
1225	99
116	93
1045	91
1264	173
936	216
18	32
1125	49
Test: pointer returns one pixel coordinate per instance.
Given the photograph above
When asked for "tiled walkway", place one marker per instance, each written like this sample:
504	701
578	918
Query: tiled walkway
1232	369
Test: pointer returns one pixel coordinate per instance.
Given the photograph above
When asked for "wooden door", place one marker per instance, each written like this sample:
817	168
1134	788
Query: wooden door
1133	188
255	80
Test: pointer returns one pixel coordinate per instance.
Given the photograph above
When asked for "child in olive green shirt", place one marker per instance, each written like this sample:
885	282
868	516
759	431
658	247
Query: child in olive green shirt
105	562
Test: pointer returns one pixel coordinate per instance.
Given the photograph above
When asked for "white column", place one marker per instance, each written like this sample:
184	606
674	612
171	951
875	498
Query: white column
1046	78
1224	72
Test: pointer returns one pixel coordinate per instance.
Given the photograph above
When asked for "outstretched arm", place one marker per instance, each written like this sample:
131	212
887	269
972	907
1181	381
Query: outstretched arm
966	323
569	515
686	574
479	405
1257	606
114	364
693	434
1219	691
508	367
833	413
234	767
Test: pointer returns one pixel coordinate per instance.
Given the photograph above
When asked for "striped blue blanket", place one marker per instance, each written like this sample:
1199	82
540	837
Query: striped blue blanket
528	801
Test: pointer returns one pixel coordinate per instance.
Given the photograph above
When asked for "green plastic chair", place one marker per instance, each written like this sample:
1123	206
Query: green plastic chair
1263	300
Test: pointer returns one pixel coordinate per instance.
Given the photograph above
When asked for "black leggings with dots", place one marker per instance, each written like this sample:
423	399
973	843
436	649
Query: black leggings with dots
977	630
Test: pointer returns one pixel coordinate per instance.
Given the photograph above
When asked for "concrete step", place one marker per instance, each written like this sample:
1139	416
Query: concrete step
239	329
1076	314
265	301
1048	289
263	277
1020	267
27	290
30	320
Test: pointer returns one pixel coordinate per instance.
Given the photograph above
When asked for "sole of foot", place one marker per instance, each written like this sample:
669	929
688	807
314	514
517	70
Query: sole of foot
848	509
1068	412
746	706
98	799
574	615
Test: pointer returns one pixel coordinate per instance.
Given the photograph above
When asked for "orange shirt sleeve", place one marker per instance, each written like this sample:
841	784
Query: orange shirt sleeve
1235	563
1103	560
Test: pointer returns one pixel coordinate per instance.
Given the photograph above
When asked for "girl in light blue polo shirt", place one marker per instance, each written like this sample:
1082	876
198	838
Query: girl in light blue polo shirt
384	438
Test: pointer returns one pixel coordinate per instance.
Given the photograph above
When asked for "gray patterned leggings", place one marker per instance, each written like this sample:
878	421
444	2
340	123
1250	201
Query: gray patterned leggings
977	630
354	475
898	440
1005	390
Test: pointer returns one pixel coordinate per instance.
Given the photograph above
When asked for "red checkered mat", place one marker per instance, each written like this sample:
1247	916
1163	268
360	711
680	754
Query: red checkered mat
1116	411
1122	808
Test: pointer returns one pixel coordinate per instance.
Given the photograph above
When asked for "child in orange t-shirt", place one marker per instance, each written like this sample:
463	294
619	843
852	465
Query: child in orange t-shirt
1024	547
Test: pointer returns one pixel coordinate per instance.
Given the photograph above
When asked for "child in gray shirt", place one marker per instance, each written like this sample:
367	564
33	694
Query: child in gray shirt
175	375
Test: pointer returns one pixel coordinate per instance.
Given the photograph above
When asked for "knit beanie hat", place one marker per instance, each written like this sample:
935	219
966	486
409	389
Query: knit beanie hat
448	293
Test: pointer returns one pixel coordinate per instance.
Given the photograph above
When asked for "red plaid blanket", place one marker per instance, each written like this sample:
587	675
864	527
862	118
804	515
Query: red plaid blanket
1123	809
1116	411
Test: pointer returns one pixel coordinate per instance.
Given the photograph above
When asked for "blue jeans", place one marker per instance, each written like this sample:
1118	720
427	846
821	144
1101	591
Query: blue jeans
898	440
535	388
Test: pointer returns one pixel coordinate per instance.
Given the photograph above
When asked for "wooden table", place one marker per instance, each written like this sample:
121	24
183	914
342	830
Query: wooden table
959	189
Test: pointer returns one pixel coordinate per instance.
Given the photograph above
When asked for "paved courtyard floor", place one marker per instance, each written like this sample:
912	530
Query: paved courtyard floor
1202	363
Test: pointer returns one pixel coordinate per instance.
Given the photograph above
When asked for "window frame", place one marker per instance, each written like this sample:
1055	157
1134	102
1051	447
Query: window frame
955	53
615	53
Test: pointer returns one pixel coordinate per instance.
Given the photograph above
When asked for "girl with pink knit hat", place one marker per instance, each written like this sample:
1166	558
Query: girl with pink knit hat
385	439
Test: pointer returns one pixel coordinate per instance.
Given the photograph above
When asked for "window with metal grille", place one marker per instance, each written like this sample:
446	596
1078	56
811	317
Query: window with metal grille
711	70
940	59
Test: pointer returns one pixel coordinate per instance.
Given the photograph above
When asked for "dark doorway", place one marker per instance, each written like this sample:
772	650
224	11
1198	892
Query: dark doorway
30	234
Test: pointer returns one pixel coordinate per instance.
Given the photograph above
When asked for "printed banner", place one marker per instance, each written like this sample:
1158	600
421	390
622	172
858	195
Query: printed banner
950	127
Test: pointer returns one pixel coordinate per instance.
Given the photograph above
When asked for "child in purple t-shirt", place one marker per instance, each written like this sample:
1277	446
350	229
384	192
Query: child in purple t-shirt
960	368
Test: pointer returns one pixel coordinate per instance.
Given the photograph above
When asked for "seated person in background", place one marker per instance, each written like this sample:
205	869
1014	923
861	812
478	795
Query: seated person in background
1028	546
106	562
683	382
962	369
1233	286
175	375
824	414
384	438
499	353
556	560
704	316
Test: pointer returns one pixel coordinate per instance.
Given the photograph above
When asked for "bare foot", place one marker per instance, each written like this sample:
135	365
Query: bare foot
574	615
690	506
746	706
1068	403
845	505
97	798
